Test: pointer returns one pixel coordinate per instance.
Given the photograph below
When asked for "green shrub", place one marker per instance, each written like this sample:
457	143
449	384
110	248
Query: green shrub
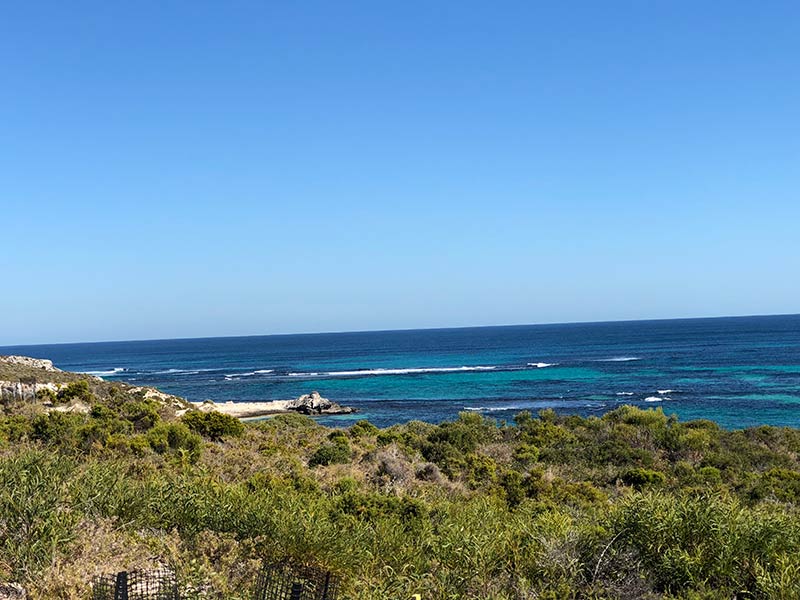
330	454
15	428
143	414
175	438
338	436
640	478
76	390
57	428
213	425
706	542
46	395
363	428
512	484
525	454
780	484
387	436
35	515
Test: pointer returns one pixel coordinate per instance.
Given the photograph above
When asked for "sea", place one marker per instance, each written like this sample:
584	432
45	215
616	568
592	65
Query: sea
740	371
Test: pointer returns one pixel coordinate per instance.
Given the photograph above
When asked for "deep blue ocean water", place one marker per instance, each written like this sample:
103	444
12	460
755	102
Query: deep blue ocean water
739	371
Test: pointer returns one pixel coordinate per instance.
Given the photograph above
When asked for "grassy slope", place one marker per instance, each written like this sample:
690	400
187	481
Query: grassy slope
15	372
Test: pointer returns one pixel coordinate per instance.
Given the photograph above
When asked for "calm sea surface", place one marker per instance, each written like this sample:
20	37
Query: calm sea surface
737	371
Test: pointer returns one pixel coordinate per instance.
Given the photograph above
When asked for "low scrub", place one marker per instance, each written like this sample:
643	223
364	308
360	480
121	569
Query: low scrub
635	504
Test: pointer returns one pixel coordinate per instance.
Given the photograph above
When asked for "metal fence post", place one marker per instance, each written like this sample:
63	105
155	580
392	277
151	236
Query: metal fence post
327	586
121	588
297	590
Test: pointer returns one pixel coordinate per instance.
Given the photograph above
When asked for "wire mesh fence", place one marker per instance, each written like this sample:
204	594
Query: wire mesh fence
274	582
136	585
286	582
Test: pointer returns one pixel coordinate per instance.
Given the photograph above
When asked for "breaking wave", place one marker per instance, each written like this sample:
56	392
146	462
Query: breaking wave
114	371
372	372
250	373
491	408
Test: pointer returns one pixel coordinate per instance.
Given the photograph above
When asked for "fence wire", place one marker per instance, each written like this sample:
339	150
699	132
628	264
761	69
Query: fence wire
285	582
274	582
136	585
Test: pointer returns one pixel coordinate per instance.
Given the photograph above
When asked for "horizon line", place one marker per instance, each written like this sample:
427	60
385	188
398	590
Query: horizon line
339	332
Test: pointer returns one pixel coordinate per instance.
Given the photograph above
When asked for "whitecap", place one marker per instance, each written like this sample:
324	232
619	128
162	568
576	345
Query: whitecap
409	371
114	371
249	373
174	372
541	365
625	393
491	408
662	392
654	399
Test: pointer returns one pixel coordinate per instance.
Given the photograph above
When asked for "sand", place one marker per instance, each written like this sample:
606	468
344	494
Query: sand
245	410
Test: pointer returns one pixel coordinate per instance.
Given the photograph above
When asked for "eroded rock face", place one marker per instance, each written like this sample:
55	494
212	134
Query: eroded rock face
12	591
314	404
27	361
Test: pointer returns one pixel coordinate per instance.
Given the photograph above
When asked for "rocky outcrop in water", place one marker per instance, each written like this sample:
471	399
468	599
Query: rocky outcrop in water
314	404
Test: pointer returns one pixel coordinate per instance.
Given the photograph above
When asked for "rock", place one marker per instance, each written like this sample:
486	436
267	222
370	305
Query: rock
75	406
12	591
314	404
26	391
150	393
26	361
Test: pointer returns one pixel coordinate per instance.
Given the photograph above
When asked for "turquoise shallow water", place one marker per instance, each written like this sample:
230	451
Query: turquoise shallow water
737	371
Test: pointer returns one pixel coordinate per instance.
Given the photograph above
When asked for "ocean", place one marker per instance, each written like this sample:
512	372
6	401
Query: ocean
739	372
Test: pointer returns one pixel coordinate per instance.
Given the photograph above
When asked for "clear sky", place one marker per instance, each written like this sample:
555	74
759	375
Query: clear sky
181	169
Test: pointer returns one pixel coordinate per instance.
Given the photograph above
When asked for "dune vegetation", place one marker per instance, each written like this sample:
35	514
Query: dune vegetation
635	504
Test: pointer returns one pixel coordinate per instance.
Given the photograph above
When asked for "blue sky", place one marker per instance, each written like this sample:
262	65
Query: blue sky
181	169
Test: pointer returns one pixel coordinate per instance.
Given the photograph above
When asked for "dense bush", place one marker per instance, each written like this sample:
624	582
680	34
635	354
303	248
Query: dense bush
635	504
213	425
75	390
337	452
175	438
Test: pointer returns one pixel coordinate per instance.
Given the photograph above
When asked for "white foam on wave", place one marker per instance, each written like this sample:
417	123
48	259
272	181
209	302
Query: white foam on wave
179	372
542	365
662	392
655	398
406	371
114	371
491	408
248	373
625	394
619	359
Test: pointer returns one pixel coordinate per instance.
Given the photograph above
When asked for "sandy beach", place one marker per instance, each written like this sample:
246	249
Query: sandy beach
245	410
308	404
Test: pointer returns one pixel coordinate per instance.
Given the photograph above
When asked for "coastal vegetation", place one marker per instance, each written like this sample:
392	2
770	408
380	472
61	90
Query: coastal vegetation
635	504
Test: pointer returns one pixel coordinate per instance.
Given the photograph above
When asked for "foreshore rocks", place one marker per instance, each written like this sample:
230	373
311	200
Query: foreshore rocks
314	404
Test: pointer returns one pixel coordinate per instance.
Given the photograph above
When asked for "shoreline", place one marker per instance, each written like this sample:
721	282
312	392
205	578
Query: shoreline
245	410
308	404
